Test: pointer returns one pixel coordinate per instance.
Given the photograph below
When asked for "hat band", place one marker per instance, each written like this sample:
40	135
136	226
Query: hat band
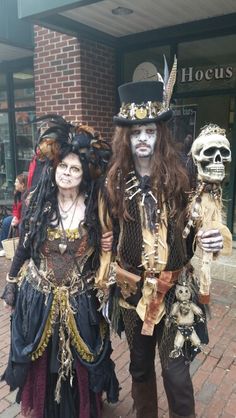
149	110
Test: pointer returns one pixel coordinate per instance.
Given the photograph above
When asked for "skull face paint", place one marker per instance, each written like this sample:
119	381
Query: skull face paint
143	139
210	154
69	172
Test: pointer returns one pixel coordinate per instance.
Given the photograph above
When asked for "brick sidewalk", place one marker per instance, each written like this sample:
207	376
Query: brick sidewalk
214	372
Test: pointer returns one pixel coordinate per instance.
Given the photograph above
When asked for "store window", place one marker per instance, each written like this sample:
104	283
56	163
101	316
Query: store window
24	102
17	134
206	71
6	159
3	92
25	134
23	82
144	64
207	64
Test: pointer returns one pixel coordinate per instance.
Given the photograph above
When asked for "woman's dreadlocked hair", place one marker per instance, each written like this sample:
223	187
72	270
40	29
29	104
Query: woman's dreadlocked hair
43	210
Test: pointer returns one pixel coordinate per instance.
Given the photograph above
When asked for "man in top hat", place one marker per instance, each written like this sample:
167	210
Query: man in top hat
146	193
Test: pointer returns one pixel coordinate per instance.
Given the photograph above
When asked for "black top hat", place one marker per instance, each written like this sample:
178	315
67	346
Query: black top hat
142	102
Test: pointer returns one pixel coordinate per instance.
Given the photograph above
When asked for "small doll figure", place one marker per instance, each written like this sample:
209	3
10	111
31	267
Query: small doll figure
182	314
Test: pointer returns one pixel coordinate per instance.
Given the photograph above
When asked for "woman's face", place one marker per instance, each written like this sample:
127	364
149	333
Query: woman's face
69	172
19	187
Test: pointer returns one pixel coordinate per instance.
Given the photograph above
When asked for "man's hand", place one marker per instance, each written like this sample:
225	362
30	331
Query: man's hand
210	240
106	241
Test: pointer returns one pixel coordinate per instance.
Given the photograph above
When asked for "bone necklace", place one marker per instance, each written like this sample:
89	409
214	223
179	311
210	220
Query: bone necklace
132	189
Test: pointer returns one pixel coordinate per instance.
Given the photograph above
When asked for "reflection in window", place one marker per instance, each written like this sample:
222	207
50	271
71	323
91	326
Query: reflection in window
23	82
3	92
153	59
20	85
25	133
6	166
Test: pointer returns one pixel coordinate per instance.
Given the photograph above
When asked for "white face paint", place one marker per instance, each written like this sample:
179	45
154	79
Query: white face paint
143	139
69	172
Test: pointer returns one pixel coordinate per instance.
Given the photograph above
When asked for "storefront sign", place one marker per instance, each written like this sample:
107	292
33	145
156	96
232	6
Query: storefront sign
206	78
189	74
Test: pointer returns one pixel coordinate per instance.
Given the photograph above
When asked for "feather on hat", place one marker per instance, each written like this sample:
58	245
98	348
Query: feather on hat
147	101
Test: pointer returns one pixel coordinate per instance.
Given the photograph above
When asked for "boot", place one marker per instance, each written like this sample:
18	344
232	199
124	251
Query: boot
144	395
173	415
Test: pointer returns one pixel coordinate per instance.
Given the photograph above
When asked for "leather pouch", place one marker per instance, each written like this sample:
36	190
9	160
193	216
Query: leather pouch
126	281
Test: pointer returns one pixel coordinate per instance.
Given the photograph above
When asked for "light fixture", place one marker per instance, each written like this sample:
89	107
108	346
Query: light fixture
122	11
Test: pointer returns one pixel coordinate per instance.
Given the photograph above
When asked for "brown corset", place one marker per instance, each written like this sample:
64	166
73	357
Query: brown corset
63	266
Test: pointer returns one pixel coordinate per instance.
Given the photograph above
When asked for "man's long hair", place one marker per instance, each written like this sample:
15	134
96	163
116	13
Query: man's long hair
169	178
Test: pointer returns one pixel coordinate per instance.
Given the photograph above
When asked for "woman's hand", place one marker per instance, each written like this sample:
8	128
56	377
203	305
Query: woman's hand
106	241
210	240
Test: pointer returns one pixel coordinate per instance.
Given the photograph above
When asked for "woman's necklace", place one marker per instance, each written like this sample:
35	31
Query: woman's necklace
64	212
63	243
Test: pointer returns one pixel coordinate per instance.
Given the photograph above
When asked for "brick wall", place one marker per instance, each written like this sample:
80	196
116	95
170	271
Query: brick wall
98	86
75	78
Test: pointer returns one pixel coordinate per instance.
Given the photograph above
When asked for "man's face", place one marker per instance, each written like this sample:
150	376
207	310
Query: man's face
143	139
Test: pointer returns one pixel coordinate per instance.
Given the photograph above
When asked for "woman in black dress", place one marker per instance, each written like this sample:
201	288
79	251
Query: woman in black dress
60	347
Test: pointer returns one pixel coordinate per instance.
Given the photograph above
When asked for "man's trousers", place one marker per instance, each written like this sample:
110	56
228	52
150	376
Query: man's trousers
175	372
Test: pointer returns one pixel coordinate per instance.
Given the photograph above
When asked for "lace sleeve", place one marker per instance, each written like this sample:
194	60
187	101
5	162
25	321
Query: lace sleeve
10	294
11	288
21	255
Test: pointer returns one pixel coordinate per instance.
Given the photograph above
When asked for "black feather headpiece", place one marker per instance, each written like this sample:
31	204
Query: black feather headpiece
55	134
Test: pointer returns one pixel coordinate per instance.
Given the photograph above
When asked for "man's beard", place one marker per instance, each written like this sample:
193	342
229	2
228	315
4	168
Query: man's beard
145	154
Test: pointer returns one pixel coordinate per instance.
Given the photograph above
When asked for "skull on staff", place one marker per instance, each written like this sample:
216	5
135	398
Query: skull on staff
210	152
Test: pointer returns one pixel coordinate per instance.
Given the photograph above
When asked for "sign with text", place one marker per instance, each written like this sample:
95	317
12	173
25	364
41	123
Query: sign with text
183	124
206	78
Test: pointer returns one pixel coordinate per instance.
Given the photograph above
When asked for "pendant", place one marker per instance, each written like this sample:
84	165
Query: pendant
64	216
62	247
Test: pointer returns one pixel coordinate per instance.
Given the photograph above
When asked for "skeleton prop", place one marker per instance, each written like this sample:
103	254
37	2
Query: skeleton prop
210	152
183	313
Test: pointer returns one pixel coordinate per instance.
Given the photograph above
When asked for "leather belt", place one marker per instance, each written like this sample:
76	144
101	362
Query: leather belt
163	283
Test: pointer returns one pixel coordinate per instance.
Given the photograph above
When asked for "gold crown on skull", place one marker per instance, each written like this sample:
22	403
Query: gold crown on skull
212	129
